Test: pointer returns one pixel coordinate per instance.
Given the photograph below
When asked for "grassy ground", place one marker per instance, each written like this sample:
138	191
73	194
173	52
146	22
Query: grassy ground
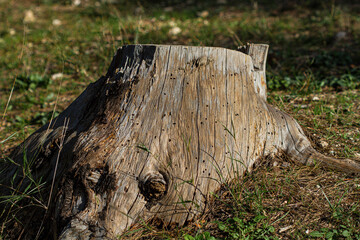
49	52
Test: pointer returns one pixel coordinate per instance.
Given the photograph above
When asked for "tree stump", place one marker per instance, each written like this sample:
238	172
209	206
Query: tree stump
164	128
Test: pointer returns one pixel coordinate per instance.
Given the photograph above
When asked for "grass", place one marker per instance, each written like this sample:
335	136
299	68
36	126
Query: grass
278	200
313	73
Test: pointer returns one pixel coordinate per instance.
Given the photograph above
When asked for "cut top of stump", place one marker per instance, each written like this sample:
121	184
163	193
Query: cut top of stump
251	58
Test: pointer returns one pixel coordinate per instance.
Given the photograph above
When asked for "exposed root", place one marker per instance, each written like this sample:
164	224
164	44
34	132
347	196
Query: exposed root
344	165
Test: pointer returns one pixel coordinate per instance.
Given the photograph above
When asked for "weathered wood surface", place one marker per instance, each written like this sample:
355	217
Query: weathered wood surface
164	128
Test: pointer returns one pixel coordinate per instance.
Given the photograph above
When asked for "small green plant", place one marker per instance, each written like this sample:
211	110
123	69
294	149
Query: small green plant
32	82
341	232
42	118
255	228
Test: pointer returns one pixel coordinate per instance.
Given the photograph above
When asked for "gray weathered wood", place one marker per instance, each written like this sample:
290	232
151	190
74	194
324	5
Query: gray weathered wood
164	128
258	54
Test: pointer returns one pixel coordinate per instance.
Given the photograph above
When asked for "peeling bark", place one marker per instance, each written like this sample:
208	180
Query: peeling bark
164	128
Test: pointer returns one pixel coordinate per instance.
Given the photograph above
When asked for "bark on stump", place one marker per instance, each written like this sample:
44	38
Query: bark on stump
164	128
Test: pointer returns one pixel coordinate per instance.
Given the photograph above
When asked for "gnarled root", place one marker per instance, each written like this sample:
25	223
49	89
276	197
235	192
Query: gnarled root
344	165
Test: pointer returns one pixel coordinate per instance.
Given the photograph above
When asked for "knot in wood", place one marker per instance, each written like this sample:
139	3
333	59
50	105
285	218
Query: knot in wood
153	187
